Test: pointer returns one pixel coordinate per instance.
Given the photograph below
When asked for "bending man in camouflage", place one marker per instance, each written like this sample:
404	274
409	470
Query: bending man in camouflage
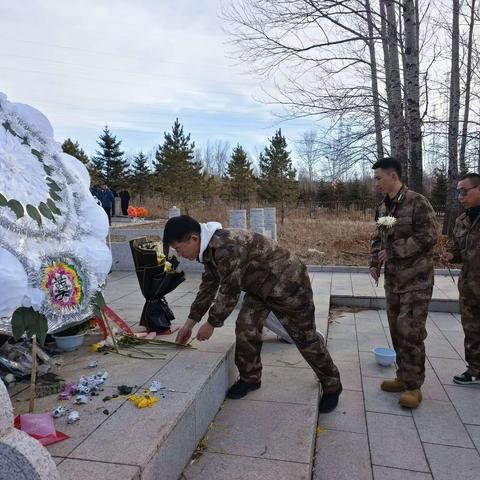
272	278
466	250
408	259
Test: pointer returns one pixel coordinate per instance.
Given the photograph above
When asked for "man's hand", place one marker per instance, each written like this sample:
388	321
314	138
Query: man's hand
185	332
374	274
382	256
446	258
205	332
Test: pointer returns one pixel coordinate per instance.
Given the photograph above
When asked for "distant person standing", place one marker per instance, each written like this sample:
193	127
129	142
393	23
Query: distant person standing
108	200
124	201
114	192
408	259
466	250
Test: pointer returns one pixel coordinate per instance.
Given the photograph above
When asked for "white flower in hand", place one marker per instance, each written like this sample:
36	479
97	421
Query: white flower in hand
386	222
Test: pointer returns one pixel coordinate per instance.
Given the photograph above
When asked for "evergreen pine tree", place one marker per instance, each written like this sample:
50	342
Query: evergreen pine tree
74	150
109	161
438	196
277	174
179	175
140	173
240	176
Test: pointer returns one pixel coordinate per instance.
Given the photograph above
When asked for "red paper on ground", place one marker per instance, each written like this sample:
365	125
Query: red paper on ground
48	440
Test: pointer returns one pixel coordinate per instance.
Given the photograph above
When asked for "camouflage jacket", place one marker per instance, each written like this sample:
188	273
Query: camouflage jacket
240	260
466	250
410	244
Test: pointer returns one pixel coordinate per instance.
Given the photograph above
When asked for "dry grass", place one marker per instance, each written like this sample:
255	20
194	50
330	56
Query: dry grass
332	237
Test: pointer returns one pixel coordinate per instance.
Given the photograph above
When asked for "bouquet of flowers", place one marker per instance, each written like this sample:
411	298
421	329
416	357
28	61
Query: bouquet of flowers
385	227
157	275
137	212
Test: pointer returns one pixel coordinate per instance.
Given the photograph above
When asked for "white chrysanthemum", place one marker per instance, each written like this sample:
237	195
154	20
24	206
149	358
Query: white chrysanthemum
387	221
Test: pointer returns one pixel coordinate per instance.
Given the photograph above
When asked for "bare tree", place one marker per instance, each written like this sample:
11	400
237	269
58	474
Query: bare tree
453	119
412	95
468	82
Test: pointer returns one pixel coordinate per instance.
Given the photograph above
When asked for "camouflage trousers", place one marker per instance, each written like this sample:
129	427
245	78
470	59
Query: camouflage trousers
470	314
297	315
407	314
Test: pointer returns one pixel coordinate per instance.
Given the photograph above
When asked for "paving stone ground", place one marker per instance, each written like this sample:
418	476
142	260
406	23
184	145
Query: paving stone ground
276	432
270	434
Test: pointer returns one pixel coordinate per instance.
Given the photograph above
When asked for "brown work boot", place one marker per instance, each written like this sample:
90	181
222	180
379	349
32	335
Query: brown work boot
396	385
410	398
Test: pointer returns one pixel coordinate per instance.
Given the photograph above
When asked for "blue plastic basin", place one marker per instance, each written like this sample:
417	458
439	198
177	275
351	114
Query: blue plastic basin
384	356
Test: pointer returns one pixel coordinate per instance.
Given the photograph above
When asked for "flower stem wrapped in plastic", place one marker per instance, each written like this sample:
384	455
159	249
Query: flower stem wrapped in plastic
157	276
385	228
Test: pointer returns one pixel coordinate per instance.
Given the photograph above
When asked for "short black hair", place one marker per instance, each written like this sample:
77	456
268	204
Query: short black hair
473	177
180	229
389	163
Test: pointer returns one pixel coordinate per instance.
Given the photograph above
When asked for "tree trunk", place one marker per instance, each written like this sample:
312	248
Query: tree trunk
373	69
453	118
412	96
397	121
463	145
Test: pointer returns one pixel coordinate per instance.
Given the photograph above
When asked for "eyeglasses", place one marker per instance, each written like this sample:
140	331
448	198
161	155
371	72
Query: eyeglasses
463	192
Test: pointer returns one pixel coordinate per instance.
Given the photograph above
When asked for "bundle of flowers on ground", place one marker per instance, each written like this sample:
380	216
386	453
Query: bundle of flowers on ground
157	275
137	212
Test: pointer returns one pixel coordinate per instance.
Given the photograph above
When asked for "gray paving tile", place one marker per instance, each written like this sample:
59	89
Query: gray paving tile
474	431
343	317
368	324
436	345
350	375
339	331
466	401
286	384
368	341
342	456
370	368
71	469
446	368
394	442
213	466
376	400
276	353
278	431
343	350
148	426
446	322
432	388
349	416
385	473
438	422
449	463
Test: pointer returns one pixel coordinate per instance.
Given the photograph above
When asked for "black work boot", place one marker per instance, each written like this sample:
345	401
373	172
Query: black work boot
241	388
329	401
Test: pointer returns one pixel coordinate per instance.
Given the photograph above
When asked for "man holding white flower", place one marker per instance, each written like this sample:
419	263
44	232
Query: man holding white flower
404	244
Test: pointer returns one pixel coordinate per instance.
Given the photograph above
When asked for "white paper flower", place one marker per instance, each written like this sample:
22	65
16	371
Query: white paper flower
387	221
53	254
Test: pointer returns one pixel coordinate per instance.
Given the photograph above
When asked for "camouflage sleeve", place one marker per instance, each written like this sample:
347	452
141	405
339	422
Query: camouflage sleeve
454	247
205	296
424	232
229	264
375	247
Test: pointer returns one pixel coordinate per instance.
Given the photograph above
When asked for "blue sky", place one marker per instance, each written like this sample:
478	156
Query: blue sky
135	66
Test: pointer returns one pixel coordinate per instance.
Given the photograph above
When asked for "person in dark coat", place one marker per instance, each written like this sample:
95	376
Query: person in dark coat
124	201
108	201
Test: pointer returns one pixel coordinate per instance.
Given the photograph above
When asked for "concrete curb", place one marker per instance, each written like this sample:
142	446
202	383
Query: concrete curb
376	303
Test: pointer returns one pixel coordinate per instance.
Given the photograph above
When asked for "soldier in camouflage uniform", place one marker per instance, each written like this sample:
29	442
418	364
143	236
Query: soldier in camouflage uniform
466	250
408	259
272	278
